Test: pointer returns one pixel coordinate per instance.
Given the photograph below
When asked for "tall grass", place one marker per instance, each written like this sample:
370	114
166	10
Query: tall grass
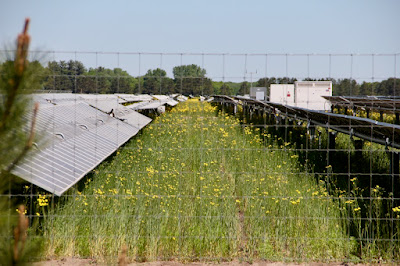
196	186
356	173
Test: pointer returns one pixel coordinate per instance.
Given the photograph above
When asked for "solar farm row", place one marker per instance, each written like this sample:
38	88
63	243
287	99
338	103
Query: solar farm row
76	132
371	103
365	128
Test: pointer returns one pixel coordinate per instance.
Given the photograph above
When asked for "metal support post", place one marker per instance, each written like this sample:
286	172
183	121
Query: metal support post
332	140
394	158
358	145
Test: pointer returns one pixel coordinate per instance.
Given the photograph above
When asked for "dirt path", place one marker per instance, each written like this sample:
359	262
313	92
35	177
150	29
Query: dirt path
80	262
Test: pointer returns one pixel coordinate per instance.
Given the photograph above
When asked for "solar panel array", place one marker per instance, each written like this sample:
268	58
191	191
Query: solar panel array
75	134
160	100
373	103
368	129
121	112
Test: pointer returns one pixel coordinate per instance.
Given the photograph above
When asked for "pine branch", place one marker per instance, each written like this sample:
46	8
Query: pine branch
20	234
20	66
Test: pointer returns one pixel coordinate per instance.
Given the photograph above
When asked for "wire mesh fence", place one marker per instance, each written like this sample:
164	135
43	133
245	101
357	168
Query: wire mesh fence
234	175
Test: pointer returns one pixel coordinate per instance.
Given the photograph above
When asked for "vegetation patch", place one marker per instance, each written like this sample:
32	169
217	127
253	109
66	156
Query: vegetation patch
198	186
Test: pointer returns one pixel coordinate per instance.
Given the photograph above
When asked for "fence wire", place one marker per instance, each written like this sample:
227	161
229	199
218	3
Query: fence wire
232	178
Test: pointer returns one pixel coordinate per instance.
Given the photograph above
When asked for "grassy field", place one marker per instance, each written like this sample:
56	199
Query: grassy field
197	186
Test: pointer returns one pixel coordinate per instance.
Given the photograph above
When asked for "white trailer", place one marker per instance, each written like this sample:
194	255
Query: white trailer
304	94
308	94
282	93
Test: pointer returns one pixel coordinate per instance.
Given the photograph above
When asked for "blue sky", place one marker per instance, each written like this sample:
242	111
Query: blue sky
358	26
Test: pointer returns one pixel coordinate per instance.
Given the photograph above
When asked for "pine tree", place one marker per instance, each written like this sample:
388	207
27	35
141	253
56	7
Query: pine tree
18	80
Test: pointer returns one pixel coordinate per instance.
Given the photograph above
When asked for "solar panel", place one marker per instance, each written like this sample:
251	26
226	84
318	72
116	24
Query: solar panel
121	112
135	119
161	97
210	99
225	98
146	105
375	103
104	97
54	97
368	129
166	99
181	98
74	139
172	102
106	106
135	98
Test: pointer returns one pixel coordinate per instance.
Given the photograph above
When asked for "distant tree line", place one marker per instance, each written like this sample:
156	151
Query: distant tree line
387	87
73	76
